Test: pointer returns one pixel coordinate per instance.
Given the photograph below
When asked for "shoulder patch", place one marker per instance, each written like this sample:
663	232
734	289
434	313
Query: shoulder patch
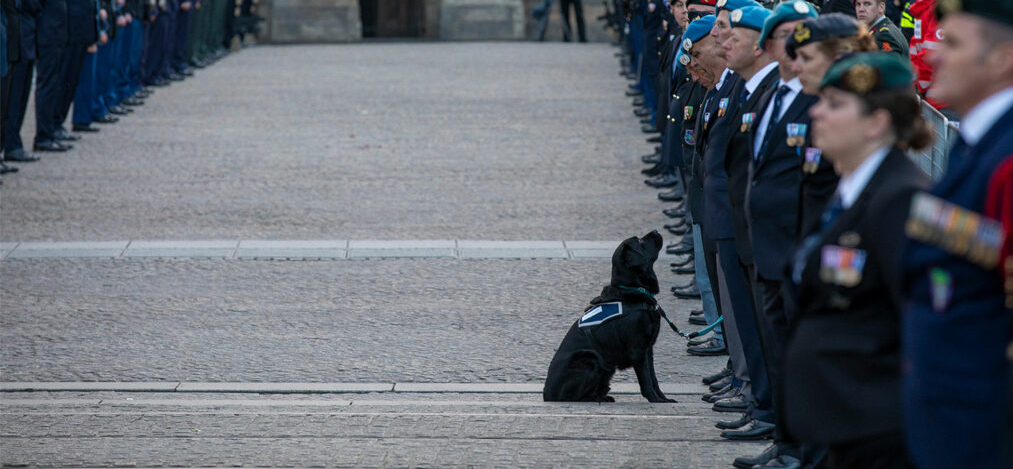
600	314
887	48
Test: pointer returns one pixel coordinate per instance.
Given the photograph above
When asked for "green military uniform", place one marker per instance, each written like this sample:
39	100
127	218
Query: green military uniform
889	38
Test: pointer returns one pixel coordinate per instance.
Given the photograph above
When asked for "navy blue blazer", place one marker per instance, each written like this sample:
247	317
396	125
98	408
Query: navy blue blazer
773	193
82	17
52	24
715	133
958	323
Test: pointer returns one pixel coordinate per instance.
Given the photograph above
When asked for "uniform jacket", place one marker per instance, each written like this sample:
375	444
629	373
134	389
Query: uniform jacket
775	182
889	38
52	25
29	12
740	154
12	16
842	361
957	324
714	133
82	22
672	143
691	99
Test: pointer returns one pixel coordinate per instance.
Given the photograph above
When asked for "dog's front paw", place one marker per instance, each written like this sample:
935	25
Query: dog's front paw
661	400
608	399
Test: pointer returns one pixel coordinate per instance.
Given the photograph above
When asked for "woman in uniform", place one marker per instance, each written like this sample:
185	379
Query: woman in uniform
842	365
818	42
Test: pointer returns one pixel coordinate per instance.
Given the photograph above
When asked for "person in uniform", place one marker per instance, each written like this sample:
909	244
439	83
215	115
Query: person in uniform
842	360
578	12
958	266
818	42
872	13
52	37
18	82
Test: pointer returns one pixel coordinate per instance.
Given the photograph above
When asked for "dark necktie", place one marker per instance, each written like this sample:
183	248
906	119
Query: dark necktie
809	244
745	97
834	208
775	116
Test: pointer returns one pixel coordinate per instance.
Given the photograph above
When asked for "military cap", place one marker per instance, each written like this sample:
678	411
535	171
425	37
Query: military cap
790	10
732	5
997	10
828	26
869	72
708	3
749	17
696	31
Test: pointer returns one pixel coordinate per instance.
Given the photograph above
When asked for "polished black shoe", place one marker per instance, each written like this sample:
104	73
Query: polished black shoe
717	376
783	461
724	391
696	312
698	341
679	230
654	139
84	128
641	111
158	83
720	384
687	294
734	424
754	430
747	462
674	212
653	158
673	195
132	101
120	110
697	321
4	169
20	156
692	283
64	136
684	270
639	102
712	348
737	403
632	93
679	223
646	120
681	249
185	72
652	171
106	119
176	77
48	145
649	129
662	180
144	93
687	261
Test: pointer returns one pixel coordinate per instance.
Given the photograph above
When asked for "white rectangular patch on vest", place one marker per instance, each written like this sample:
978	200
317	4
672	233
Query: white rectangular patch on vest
600	313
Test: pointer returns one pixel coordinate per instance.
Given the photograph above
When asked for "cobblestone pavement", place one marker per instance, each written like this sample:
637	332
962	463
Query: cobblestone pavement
415	141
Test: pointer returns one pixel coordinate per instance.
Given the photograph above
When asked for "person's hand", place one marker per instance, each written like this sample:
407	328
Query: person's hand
103	38
196	6
129	17
93	48
185	6
121	21
121	2
103	14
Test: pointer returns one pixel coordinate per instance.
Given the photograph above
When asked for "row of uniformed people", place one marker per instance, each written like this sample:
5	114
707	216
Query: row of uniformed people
101	56
791	144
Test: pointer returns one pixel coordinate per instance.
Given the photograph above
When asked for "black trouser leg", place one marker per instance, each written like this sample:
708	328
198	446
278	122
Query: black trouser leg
48	91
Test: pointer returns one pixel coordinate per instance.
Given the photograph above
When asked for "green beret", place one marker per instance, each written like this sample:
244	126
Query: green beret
869	72
997	10
828	26
790	10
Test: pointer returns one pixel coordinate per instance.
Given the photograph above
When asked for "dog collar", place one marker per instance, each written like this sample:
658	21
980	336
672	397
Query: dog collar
641	290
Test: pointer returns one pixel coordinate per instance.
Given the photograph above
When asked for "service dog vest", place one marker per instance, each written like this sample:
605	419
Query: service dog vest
601	313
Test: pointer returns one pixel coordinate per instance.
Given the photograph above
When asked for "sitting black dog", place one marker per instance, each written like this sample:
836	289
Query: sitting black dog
617	331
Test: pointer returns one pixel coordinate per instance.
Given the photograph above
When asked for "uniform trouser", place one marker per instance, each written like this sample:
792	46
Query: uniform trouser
147	49
104	60
86	92
154	57
637	39
733	338
578	11
703	283
19	79
179	39
48	91
168	33
738	305
71	74
773	327
120	64
135	51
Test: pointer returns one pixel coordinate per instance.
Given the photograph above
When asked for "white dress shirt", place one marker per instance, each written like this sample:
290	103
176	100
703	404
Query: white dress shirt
794	89
983	117
852	185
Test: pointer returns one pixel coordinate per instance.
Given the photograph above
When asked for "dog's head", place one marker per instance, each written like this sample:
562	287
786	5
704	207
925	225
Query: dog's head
633	262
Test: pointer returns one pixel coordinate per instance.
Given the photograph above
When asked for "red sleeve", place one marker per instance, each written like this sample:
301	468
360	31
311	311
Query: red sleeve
999	206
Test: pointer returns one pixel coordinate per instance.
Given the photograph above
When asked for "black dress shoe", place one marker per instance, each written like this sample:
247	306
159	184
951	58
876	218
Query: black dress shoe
687	294
639	102
692	283
144	93
673	195
747	462
106	119
698	341
697	321
649	129
679	231
651	159
186	72
717	376
176	77
662	180
652	171
118	110
641	112
48	145
64	136
733	424
20	156
84	128
684	270
4	169
632	93
680	223
681	249
688	260
132	101
654	139
736	403
754	430
674	212
696	312
158	83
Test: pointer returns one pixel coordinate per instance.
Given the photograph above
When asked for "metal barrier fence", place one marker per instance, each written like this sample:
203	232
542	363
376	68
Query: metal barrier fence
933	160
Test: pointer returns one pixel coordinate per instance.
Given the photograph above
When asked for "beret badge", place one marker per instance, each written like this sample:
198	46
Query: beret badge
802	33
736	16
862	78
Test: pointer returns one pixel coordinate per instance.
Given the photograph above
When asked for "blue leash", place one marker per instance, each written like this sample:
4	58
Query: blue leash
691	335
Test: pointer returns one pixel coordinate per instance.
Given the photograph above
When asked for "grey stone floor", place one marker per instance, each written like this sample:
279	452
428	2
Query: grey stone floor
379	145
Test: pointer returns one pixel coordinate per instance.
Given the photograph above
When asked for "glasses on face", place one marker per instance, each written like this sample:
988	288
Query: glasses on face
780	36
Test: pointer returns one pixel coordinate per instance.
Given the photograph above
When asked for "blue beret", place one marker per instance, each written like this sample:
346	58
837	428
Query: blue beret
749	17
732	5
696	31
790	10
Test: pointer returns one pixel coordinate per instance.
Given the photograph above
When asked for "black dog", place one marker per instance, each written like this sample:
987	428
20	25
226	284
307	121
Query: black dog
617	331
